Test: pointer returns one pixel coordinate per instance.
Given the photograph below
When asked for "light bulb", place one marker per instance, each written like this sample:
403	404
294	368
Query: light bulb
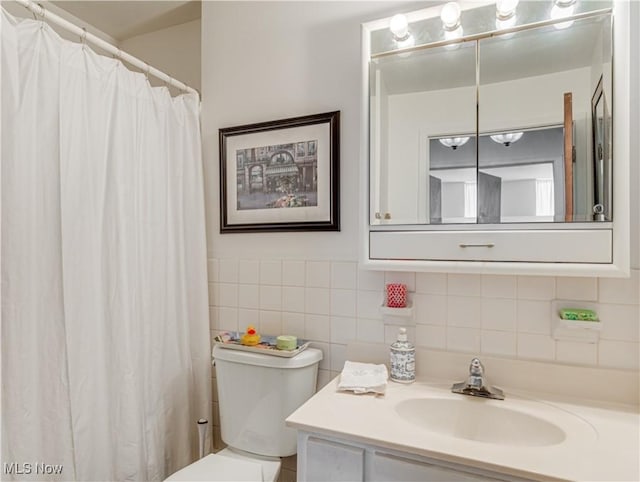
507	23
450	15
399	27
453	34
562	9
505	9
409	41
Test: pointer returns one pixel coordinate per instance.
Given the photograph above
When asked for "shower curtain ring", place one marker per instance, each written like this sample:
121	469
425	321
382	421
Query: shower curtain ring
41	13
83	38
146	71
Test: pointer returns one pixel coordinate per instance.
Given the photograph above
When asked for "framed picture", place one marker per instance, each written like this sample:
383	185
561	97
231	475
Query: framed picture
601	152
281	175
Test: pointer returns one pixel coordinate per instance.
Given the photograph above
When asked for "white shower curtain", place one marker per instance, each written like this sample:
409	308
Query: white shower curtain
105	351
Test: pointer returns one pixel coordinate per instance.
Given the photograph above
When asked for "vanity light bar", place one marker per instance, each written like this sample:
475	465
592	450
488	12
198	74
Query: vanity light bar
561	10
506	9
493	33
399	27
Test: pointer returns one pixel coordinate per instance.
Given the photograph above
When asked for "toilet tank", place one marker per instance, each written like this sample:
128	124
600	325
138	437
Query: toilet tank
257	392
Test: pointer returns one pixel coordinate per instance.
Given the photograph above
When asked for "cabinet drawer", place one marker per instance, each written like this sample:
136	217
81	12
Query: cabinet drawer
539	246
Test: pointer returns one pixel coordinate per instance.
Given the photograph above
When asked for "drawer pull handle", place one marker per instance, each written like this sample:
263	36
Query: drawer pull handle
479	245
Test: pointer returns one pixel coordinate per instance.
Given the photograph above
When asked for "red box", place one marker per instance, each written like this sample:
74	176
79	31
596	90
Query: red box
396	295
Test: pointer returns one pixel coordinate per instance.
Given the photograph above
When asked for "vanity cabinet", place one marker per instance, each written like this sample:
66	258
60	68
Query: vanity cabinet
327	459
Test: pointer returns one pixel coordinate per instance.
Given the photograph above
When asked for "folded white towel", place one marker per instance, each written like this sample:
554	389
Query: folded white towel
363	377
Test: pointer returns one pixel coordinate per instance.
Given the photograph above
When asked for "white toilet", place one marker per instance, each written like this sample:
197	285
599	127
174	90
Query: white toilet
256	393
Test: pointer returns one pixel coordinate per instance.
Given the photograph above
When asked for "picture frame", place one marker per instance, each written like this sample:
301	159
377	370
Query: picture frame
601	153
281	175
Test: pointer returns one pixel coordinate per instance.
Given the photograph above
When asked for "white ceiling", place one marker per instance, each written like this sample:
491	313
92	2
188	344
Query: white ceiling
125	19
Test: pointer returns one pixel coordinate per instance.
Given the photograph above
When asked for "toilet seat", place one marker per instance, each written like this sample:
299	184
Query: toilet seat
226	466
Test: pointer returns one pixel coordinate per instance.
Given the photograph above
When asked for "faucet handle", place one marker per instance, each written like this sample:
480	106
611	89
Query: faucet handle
476	368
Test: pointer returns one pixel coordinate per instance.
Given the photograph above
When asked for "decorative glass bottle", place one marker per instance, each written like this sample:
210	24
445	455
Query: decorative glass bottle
403	359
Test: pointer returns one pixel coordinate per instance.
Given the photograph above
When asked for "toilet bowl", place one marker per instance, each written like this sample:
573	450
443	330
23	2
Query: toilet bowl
256	393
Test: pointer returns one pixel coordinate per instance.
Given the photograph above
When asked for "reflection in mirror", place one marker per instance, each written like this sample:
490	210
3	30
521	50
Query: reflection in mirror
452	180
520	178
537	78
537	101
601	152
413	98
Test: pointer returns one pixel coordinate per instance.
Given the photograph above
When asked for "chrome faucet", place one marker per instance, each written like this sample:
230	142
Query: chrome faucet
476	385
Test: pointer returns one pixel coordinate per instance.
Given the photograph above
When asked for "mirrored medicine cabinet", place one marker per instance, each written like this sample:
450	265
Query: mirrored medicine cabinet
498	141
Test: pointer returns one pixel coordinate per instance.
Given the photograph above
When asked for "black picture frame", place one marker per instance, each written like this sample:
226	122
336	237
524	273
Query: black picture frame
269	183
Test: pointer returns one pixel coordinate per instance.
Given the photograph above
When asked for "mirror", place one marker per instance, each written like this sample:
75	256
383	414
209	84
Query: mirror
511	127
408	97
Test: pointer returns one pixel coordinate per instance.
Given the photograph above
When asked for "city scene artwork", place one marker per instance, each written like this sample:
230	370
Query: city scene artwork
277	176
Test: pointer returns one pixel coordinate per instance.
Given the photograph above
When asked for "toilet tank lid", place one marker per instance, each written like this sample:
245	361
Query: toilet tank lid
303	359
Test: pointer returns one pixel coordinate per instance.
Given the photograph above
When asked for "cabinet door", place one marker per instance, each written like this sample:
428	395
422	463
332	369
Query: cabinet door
388	467
332	461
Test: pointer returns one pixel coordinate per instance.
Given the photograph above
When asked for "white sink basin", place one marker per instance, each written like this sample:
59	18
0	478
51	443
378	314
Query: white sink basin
482	420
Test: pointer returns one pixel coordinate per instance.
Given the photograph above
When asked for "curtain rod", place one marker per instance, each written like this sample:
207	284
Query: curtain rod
38	9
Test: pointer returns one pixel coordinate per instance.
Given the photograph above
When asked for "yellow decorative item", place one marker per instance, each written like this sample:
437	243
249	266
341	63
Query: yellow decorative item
250	337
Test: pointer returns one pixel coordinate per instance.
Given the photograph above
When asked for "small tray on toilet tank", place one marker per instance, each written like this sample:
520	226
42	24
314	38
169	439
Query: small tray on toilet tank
267	345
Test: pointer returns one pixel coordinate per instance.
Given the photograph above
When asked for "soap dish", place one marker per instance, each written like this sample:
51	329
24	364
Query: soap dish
574	330
406	312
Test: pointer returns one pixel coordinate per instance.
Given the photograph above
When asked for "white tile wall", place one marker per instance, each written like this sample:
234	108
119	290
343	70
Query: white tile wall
464	284
270	272
617	290
249	296
577	289
463	339
431	283
430	309
293	273
499	286
333	303
248	271
228	270
344	276
293	298
319	274
536	288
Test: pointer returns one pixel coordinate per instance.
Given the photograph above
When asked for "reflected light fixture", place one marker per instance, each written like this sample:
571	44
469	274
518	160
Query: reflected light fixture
562	9
507	138
399	27
506	13
450	16
453	142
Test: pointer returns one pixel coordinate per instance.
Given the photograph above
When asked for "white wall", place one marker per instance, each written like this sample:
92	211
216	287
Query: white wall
272	60
174	50
453	200
518	198
265	60
412	119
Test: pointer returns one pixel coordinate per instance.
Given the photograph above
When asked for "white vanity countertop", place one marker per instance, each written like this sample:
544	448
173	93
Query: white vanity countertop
602	439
